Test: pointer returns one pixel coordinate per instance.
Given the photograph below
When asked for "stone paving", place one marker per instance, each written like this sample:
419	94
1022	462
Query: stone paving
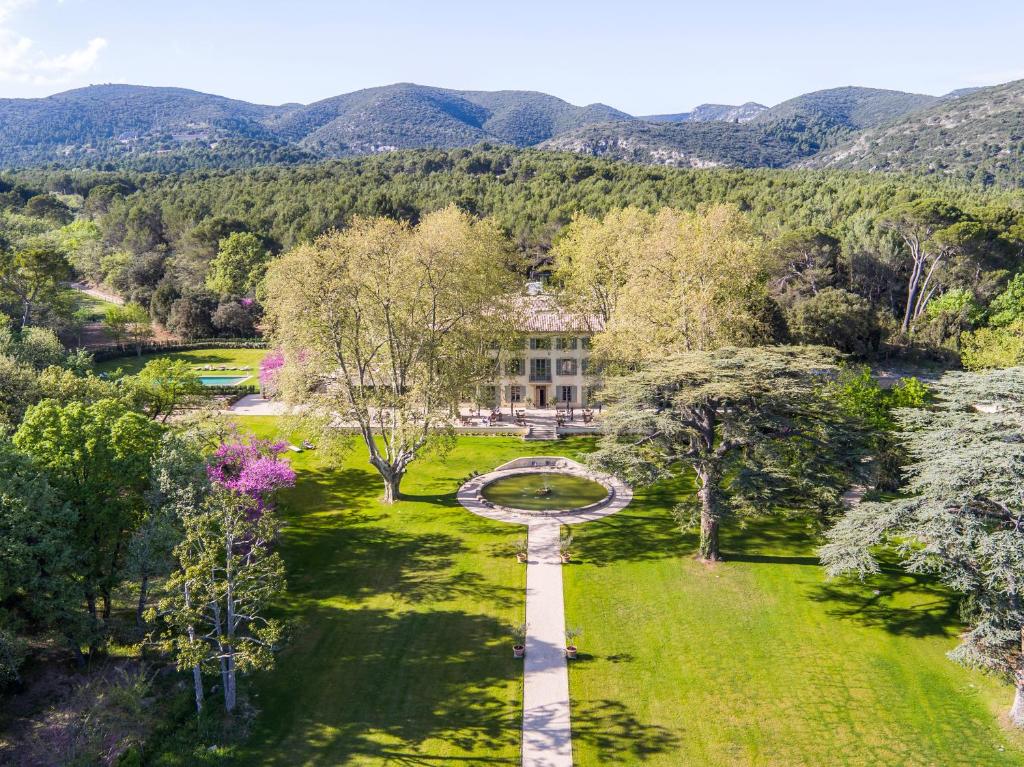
547	731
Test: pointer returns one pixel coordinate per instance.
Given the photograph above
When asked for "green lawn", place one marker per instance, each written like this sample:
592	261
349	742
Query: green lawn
399	651
760	661
96	307
402	652
231	357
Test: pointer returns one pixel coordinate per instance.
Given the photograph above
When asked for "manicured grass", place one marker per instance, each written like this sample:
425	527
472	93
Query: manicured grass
96	307
760	660
236	358
400	651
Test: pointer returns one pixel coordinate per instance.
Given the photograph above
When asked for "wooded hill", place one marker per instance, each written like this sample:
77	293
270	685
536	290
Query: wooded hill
972	135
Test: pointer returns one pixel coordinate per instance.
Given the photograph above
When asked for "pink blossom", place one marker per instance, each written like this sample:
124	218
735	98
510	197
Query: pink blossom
270	369
251	466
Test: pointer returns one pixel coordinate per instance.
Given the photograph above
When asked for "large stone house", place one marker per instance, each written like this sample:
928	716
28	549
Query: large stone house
553	368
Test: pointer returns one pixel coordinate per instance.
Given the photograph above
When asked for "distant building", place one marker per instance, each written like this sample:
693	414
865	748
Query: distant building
553	368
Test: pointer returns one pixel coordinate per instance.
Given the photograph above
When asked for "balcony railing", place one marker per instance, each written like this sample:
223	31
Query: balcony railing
540	376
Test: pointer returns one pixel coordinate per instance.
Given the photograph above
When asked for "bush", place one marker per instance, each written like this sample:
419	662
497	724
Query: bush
838	318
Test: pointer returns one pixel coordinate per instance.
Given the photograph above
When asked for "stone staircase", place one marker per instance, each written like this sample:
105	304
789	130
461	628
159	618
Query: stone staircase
540	426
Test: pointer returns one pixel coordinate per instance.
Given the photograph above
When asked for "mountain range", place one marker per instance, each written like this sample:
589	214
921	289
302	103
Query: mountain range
975	134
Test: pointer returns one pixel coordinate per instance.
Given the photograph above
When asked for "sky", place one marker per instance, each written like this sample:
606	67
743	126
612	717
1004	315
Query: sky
640	56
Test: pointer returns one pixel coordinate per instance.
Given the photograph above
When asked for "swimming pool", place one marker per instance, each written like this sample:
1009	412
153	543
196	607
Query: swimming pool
223	380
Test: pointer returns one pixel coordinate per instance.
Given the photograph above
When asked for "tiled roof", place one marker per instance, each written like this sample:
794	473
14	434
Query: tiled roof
544	314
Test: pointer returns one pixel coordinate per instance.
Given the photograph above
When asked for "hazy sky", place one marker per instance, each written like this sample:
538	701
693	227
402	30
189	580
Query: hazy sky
638	55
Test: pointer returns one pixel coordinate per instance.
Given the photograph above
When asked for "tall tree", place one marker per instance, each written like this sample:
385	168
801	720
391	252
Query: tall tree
32	276
239	266
217	597
389	327
594	258
698	283
755	425
38	588
920	225
962	518
97	456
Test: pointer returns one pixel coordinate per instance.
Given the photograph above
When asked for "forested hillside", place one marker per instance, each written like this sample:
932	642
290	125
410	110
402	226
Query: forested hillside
973	135
155	238
773	138
976	136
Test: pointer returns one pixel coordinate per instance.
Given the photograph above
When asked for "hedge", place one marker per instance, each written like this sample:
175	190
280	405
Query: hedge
113	352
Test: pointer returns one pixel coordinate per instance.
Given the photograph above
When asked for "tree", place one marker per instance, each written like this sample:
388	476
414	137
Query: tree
236	319
128	324
239	266
1000	347
227	575
33	276
755	425
699	283
962	518
178	483
838	318
38	590
97	456
190	318
389	326
166	384
593	259
918	224
1008	307
802	263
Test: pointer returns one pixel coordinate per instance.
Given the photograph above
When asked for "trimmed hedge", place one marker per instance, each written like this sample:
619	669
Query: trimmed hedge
113	352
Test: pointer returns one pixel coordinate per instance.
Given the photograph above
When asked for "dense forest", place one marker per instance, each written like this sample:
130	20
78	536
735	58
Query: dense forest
189	248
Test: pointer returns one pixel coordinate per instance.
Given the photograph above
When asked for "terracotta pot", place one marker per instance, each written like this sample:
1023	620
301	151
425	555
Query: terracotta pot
521	558
565	558
570	651
518	651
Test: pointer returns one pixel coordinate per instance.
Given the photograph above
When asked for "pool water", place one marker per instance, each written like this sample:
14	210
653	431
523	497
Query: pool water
222	380
544	492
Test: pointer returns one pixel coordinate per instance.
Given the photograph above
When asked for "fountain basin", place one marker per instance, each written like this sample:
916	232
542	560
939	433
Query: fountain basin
544	491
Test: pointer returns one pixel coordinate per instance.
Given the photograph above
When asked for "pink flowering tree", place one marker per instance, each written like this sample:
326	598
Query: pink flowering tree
270	369
251	466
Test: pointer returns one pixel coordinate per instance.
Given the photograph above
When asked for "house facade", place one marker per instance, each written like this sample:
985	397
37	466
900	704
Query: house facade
553	367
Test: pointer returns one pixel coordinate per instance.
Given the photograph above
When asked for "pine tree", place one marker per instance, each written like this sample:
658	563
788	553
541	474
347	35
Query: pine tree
962	519
756	425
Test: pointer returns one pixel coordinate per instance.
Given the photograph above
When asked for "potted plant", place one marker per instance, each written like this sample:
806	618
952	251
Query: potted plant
521	551
571	635
519	637
565	547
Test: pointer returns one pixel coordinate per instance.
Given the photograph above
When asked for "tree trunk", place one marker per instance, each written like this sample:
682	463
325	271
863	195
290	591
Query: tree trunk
392	483
229	689
708	536
105	593
1017	709
709	514
197	682
140	608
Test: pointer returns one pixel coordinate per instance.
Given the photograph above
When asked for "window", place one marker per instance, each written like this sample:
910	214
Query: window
567	394
515	367
564	343
585	343
540	369
540	343
566	367
515	393
585	365
488	395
